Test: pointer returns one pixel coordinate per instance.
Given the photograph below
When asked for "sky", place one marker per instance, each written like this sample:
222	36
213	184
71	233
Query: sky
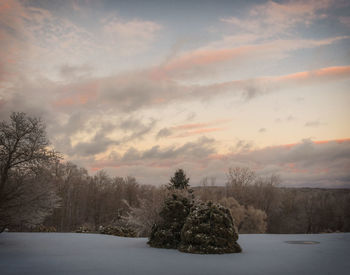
142	88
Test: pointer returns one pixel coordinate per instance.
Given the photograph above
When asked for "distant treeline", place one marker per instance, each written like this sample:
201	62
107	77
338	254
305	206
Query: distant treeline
257	204
293	210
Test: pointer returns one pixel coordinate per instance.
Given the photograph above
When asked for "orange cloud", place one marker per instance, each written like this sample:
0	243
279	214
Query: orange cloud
205	57
4	6
314	141
323	72
333	140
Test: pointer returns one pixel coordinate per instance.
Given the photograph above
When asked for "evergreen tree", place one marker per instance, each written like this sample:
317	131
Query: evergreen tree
209	229
167	233
179	180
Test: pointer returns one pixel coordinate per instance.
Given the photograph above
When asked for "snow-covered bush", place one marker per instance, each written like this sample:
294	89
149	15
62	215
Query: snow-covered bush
167	233
115	230
84	229
209	229
43	228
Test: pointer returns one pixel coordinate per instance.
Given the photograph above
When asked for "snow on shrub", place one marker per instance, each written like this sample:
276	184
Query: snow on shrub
209	229
167	233
117	230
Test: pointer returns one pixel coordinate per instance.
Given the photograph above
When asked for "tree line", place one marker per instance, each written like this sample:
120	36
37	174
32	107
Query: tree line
261	205
38	188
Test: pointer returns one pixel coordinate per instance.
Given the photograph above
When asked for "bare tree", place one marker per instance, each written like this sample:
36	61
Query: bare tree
142	218
239	179
26	195
247	219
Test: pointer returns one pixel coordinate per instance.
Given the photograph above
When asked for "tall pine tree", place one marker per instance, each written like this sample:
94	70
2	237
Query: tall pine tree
179	180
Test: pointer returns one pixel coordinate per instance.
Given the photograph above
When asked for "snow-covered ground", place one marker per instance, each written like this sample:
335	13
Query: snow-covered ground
69	253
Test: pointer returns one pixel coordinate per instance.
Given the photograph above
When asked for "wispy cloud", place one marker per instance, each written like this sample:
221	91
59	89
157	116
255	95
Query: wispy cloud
130	37
271	18
314	123
191	129
206	60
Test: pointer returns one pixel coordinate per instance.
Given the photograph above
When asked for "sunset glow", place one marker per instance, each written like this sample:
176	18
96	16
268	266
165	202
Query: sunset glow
142	88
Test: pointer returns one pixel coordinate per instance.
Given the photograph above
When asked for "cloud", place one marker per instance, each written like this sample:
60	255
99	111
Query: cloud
243	145
109	133
314	123
137	128
164	132
262	130
131	92
200	148
191	129
327	74
12	41
345	20
290	118
130	37
223	54
272	18
308	163
269	31
191	116
73	95
191	126
29	32
75	71
101	105
98	144
199	131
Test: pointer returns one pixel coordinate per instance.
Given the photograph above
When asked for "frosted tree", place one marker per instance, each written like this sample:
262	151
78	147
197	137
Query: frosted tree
167	232
209	229
26	178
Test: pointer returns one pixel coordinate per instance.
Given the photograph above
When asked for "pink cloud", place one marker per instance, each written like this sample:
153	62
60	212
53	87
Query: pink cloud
75	95
139	89
204	57
221	53
291	145
326	73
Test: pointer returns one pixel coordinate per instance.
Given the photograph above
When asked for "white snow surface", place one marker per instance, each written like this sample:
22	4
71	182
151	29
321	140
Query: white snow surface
70	253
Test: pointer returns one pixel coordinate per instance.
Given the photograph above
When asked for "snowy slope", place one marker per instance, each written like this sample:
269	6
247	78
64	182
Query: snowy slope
69	253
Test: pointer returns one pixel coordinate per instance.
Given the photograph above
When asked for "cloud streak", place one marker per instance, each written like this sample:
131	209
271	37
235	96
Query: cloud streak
137	90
